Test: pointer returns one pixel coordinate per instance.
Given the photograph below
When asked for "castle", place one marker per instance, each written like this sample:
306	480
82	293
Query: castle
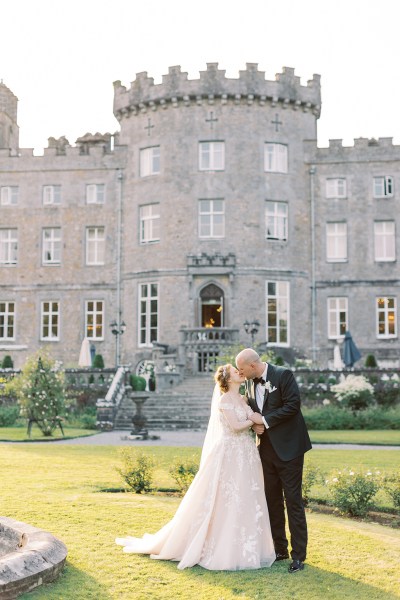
212	206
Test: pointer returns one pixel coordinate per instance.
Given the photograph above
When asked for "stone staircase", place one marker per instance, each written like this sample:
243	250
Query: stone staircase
187	406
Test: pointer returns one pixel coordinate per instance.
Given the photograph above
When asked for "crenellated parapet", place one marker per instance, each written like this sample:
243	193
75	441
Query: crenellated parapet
214	87
363	149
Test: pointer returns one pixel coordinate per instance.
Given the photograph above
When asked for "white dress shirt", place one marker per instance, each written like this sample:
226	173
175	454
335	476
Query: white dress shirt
260	394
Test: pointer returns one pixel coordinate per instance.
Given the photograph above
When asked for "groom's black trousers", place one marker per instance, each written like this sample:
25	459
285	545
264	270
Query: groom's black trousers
283	479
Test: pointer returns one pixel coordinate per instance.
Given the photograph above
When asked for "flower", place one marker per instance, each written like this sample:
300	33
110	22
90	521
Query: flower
269	387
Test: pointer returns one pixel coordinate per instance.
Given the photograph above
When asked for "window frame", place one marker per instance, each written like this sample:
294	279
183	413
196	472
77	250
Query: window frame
54	249
94	323
50	313
386	240
147	314
276	161
95	193
336	240
334	182
54	192
7	244
97	242
388	182
213	155
211	213
148	159
336	311
280	299
12	195
276	220
385	311
5	317
151	221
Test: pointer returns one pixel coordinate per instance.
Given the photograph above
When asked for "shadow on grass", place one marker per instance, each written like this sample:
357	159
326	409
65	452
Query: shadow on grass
313	583
73	584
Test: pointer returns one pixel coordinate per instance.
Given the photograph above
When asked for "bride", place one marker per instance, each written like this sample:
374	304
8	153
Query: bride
222	522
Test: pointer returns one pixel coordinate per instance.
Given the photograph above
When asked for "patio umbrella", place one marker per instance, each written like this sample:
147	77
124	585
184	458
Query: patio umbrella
85	359
338	363
351	353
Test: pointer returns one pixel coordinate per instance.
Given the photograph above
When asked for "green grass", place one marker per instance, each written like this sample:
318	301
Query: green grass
59	488
381	437
19	434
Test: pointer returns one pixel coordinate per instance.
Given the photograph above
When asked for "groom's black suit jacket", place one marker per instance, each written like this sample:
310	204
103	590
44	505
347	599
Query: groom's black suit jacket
287	430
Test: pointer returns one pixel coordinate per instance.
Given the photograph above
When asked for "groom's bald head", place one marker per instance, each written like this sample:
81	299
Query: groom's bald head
247	356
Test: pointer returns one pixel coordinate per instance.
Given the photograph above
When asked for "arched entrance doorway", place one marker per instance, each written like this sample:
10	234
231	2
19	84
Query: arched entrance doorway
211	306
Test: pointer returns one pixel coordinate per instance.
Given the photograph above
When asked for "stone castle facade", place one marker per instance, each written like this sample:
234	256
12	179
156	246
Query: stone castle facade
211	206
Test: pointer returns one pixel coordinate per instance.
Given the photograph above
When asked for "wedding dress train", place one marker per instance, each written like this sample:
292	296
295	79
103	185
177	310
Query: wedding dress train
222	522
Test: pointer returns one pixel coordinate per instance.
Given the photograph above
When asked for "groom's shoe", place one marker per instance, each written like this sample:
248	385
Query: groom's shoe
296	565
281	556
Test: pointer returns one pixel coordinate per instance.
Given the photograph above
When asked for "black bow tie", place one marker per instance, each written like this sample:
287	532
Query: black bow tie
258	380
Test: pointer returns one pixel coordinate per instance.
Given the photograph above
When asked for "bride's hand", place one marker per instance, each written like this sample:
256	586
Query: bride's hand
256	418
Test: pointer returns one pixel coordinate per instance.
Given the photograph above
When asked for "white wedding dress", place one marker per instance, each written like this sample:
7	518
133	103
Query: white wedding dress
222	522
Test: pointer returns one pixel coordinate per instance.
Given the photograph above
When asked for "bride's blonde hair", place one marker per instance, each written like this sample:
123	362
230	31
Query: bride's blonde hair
222	377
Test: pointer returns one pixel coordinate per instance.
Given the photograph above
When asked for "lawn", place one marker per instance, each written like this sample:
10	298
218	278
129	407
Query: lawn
390	437
19	434
59	488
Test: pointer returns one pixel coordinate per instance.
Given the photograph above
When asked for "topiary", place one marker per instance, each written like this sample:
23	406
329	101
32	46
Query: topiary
98	362
138	384
7	362
370	361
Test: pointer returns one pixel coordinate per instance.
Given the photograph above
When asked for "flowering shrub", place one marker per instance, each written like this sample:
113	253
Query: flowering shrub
40	391
392	487
137	470
184	472
354	392
352	492
311	475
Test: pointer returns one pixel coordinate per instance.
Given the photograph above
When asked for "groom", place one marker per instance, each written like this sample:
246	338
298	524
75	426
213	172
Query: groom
272	391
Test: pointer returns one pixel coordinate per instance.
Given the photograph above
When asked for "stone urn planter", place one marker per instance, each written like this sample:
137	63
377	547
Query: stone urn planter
139	421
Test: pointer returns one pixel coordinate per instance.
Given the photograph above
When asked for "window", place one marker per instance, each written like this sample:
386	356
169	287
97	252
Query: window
51	246
95	193
212	156
386	317
383	187
277	300
336	188
149	161
9	195
50	321
336	242
275	158
95	245
52	194
276	220
148	313
384	234
337	317
149	216
8	246
211	219
94	319
7	321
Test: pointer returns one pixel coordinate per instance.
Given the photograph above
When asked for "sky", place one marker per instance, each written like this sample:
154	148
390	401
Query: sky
60	58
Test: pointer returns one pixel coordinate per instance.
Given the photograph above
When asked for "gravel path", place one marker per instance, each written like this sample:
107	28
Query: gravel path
182	438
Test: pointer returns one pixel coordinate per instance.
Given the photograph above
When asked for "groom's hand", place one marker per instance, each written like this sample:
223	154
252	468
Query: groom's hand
258	429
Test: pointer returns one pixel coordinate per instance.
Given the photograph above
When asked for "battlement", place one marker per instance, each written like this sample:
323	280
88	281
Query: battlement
363	149
213	85
8	102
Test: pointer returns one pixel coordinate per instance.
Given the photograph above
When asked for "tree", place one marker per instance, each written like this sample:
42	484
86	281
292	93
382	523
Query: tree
40	392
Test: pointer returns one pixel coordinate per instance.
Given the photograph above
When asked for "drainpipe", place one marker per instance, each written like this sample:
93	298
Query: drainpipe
120	178
312	171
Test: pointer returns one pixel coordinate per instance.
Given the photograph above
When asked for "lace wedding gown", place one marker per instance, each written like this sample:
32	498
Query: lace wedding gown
222	522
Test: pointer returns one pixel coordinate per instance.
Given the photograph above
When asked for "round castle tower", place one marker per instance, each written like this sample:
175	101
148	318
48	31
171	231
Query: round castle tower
9	130
216	207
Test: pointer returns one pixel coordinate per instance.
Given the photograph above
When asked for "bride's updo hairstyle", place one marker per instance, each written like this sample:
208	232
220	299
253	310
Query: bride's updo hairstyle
222	377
